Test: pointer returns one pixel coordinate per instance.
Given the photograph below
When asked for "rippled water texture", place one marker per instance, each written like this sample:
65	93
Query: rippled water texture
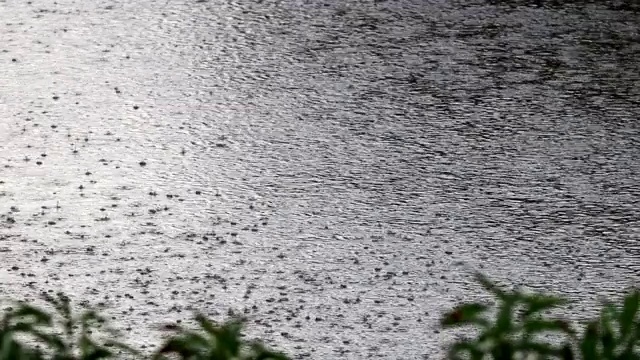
334	170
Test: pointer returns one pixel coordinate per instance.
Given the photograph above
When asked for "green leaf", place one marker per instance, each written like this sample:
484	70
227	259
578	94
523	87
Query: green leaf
538	303
628	314
504	322
53	341
215	342
533	326
466	314
459	349
489	286
567	352
21	327
206	324
86	345
226	337
12	350
196	340
228	342
6	346
503	351
607	337
180	346
96	354
589	343
261	353
62	305
124	347
540	349
37	316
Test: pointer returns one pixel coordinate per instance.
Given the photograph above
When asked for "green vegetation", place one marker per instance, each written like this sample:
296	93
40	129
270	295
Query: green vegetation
517	327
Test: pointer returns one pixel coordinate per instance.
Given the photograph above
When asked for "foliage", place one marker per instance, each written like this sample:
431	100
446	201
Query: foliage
64	335
28	333
215	343
517	327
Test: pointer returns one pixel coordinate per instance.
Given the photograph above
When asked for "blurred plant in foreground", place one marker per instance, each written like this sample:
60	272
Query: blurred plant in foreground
29	333
214	342
518	328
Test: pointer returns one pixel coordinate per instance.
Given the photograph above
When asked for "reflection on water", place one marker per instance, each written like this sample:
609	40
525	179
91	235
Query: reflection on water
331	169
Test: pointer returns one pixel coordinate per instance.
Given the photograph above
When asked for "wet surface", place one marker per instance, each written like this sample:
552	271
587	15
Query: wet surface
332	171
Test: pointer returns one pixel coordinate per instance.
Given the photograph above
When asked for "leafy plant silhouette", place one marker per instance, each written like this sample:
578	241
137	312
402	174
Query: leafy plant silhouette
616	333
23	321
61	336
215	342
77	341
516	330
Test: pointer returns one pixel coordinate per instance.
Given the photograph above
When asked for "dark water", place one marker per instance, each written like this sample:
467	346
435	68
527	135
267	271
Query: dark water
334	170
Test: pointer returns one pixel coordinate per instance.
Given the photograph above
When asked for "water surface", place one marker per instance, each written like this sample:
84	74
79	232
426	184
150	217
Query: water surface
333	171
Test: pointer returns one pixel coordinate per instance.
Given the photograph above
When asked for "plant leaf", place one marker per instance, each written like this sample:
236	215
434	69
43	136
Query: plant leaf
567	352
540	349
489	286
504	321
37	316
607	338
534	326
53	341
589	343
466	314
180	346
458	349
628	314
503	351
262	353
538	303
96	354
